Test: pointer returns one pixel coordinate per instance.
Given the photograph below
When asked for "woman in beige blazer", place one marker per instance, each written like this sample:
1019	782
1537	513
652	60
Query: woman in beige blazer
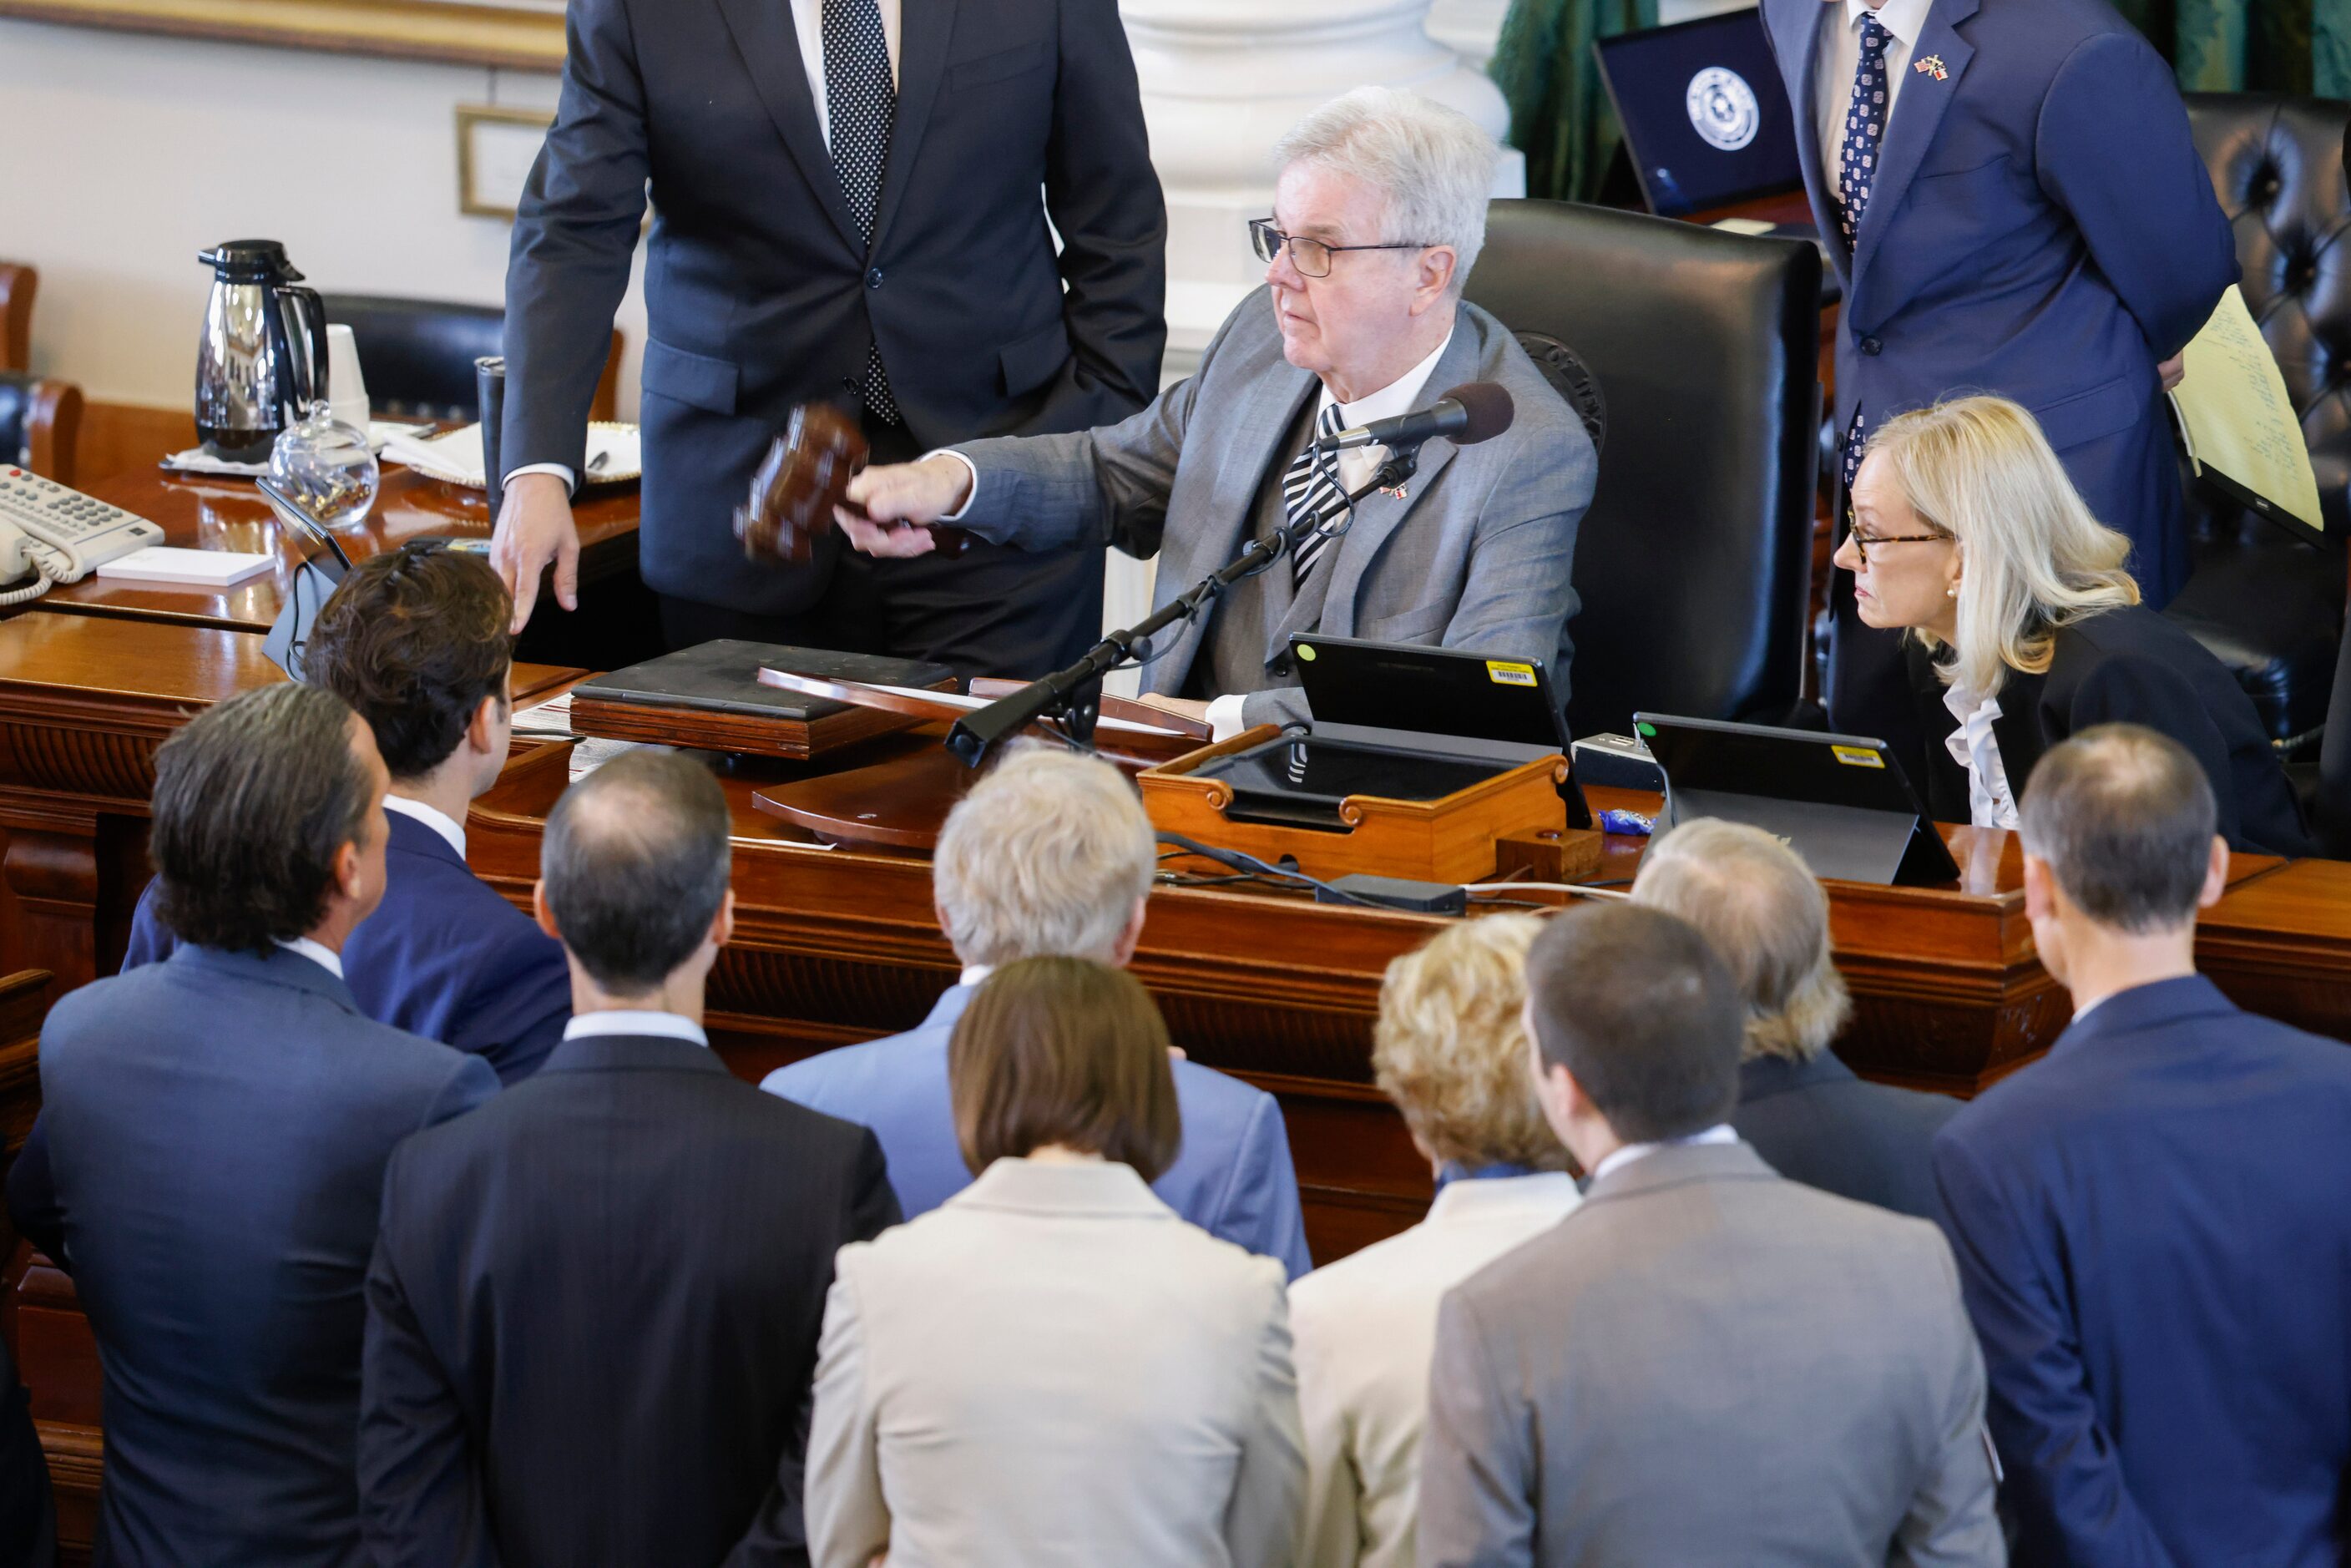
1052	1368
1449	1050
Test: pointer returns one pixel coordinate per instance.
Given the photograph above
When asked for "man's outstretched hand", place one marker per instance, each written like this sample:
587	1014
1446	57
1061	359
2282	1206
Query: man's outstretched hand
897	494
534	528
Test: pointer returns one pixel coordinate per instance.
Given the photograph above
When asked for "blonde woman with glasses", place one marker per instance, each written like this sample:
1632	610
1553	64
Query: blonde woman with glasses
2025	628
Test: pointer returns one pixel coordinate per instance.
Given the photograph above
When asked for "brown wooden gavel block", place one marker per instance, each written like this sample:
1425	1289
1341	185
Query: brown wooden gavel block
804	477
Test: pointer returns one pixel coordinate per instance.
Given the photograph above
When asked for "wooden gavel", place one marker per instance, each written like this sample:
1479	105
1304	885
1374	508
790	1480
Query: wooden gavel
804	477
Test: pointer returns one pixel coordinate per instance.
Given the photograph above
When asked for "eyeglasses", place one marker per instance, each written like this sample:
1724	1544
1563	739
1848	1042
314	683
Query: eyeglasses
1311	257
1862	541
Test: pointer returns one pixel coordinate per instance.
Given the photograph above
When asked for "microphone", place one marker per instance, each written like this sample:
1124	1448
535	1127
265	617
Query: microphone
1469	414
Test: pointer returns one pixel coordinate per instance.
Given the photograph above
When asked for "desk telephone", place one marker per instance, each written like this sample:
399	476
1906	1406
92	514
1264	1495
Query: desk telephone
58	535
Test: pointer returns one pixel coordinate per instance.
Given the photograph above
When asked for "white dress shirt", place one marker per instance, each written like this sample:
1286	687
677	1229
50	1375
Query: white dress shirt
325	957
1363	1331
1974	747
1840	55
452	833
1355	466
634	1021
1720	1133
808	25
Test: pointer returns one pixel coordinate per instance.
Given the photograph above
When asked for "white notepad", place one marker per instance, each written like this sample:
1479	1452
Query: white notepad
201	568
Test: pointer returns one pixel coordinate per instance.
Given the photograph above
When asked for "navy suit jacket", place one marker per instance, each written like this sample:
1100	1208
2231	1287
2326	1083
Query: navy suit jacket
2040	228
593	1316
217	1127
1820	1123
442	956
1232	1179
2153	1226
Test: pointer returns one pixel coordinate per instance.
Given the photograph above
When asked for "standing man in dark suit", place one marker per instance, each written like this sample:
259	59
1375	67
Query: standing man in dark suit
1810	1117
593	1312
2151	1222
846	199
217	1126
416	640
2012	202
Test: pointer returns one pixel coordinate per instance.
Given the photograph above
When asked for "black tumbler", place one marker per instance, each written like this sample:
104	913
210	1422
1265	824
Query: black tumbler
490	390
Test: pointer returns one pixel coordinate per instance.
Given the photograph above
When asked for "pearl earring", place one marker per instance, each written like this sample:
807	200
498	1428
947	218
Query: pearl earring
1952	592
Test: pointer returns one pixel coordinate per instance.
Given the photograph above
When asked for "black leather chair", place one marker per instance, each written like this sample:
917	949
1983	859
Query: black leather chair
417	355
40	424
1693	562
2269	605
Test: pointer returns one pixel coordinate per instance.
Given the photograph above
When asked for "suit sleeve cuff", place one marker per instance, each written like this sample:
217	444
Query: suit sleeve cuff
971	469
1225	719
561	471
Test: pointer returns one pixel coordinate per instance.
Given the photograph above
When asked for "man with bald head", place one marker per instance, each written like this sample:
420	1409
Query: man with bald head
592	1317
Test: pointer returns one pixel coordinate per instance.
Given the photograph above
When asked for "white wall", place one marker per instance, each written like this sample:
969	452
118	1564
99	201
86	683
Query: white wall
152	149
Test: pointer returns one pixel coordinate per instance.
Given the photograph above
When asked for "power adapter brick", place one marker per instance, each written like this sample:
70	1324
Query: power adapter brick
1398	893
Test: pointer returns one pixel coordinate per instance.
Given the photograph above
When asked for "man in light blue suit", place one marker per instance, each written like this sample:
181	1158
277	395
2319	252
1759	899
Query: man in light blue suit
2011	198
1052	855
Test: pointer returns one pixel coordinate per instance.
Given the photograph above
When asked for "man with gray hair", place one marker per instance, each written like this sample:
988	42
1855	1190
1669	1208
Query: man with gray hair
593	1317
1378	215
1807	1113
2150	1221
1050	856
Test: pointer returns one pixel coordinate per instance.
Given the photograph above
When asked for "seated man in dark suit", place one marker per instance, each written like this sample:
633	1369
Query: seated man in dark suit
1806	1112
1050	856
216	1128
2151	1221
593	1311
416	641
28	1520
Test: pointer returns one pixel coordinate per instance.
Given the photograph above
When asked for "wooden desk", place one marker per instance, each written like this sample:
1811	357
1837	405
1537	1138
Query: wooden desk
84	702
202	513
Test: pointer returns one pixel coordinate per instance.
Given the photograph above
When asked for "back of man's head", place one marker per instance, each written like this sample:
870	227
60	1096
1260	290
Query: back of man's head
413	640
634	867
1045	858
1642	1014
1759	904
254	802
2124	817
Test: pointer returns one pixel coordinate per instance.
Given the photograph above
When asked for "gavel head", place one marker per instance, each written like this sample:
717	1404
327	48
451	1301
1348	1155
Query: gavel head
804	477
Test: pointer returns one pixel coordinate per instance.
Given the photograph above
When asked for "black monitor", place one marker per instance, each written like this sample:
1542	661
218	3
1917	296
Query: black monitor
1706	119
1840	801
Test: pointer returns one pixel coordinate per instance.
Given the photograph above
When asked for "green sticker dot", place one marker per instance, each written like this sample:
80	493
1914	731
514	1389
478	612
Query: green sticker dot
1649	730
1306	652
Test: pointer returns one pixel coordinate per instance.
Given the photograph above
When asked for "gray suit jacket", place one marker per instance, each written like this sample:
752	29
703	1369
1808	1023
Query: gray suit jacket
1708	1363
1483	563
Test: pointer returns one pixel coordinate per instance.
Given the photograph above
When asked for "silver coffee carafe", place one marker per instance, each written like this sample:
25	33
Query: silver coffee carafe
262	357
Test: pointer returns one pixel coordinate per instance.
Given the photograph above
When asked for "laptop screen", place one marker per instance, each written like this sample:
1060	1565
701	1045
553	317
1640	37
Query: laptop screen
1706	116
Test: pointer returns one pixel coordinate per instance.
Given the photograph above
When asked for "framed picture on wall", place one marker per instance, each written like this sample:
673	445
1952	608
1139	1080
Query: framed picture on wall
496	148
514	35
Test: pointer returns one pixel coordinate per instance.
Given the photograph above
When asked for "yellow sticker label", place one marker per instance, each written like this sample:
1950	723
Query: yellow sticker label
1858	757
1508	675
1306	652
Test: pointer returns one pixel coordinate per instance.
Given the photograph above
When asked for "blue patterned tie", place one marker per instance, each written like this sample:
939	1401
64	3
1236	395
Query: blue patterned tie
1864	127
859	102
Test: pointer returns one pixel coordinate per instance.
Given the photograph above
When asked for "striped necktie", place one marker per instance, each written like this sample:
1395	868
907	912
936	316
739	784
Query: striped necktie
859	102
1310	490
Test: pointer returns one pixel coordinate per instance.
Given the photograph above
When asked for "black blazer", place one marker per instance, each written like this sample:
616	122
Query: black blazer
2126	666
593	1311
758	293
1815	1121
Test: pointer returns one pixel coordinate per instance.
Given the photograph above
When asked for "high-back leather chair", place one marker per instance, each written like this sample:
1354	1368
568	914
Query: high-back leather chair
2270	606
1693	562
417	355
18	283
40	424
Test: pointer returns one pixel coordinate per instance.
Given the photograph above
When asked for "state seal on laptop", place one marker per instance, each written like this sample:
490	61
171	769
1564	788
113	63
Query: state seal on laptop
1722	108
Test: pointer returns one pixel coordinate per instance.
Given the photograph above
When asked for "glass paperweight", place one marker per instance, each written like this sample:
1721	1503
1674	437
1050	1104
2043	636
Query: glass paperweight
325	468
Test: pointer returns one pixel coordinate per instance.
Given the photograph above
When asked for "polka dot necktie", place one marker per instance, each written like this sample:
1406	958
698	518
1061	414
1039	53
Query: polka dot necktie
1310	490
859	102
1864	127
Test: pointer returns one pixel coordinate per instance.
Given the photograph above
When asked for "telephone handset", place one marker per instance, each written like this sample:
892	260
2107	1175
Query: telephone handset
57	534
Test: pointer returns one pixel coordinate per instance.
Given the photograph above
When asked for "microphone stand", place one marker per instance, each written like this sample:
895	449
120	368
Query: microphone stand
1074	695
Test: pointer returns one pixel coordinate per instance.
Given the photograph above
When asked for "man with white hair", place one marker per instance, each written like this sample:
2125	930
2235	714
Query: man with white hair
1806	1112
1378	215
1050	856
